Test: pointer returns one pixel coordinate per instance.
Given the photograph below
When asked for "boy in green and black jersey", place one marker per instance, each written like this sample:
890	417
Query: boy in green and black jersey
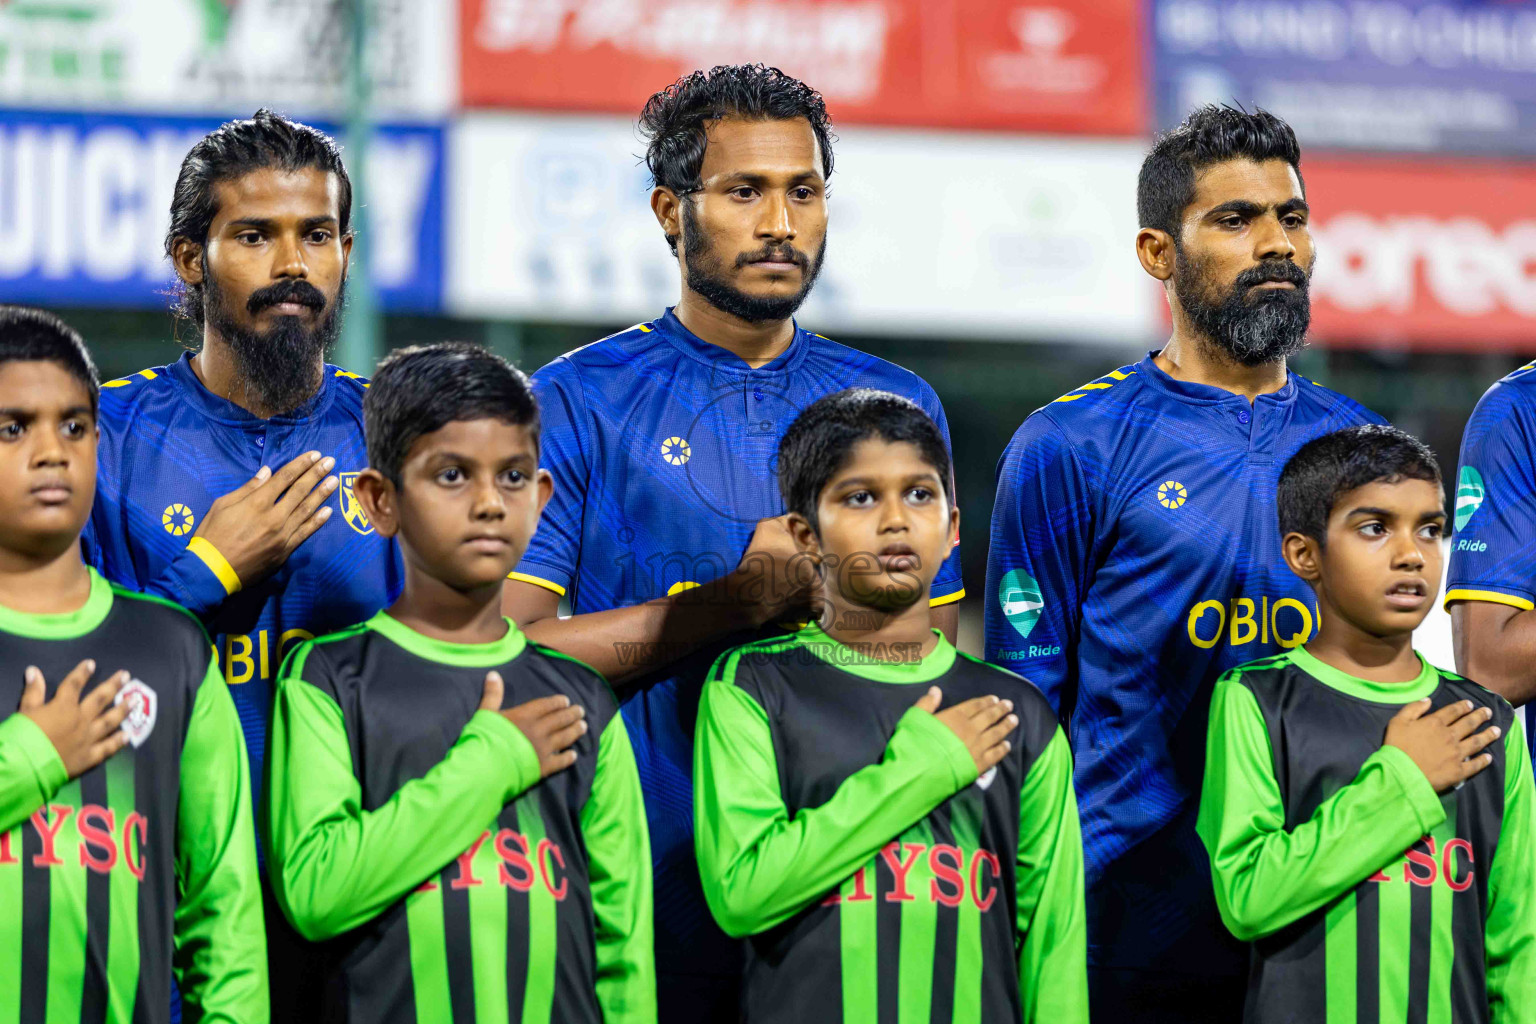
466	862
889	821
126	847
1368	816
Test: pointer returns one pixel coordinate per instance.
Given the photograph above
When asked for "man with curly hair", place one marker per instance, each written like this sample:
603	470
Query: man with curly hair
666	531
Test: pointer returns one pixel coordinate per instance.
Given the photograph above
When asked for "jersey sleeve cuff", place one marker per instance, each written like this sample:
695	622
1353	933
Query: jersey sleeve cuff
938	600
941	740
1414	785
1525	604
25	737
217	564
540	576
512	745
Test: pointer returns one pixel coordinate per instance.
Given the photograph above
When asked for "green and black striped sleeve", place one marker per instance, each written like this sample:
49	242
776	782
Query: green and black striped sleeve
334	865
760	867
31	770
1510	942
1053	957
1267	877
619	868
221	949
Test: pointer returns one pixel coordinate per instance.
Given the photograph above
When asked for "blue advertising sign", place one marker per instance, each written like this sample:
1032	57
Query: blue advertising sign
1404	75
85	201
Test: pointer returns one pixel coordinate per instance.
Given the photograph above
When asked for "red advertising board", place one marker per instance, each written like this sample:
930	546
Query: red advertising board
1066	66
1428	253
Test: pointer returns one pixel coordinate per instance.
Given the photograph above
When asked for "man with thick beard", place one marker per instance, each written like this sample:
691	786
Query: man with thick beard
221	474
215	484
665	531
1136	553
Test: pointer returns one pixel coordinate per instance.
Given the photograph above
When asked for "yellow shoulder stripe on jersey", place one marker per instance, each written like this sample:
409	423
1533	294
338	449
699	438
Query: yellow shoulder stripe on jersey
214	559
352	376
1098	385
1491	596
644	329
124	381
935	602
523	577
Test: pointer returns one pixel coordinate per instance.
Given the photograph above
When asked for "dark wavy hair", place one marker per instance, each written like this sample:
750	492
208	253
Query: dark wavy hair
676	120
821	440
1209	135
231	150
420	389
1329	467
35	335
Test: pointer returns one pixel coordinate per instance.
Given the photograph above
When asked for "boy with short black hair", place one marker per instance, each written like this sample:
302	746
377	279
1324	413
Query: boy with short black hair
878	851
469	862
126	847
1366	831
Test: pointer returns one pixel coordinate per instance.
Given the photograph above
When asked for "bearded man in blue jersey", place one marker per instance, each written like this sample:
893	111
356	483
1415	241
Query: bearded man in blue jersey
1136	557
223	477
665	531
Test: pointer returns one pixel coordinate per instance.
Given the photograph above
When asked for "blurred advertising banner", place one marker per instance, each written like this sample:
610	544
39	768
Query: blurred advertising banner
950	235
1408	75
1434	254
1067	66
85	201
223	55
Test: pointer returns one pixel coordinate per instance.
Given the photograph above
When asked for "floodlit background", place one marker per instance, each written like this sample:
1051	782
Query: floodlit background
983	204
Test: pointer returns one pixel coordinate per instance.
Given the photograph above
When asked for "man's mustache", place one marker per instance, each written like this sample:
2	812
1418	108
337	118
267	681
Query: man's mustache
302	292
784	253
1272	271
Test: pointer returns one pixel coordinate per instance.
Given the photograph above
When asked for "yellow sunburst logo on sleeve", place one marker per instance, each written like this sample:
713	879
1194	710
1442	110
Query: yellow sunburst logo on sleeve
675	451
178	520
1172	494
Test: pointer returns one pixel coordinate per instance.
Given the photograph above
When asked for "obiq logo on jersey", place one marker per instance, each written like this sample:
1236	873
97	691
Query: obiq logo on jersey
1019	597
1469	495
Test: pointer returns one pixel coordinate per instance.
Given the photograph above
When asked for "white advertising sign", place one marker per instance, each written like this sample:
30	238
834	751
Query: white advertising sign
946	234
224	57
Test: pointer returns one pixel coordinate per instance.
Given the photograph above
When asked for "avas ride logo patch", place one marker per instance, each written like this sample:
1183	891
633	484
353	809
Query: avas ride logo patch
143	707
352	509
1019	596
1469	495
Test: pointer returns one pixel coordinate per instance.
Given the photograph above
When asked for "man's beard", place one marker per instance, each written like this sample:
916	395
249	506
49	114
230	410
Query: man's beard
280	368
1269	326
706	274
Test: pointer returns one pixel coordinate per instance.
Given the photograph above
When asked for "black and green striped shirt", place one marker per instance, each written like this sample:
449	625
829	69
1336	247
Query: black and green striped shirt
411	840
102	876
1367	896
847	834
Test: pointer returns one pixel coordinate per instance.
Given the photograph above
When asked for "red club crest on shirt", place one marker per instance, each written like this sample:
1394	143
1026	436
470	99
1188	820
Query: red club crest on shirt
143	705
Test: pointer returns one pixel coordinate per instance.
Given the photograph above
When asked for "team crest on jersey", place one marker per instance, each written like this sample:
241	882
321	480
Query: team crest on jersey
143	706
984	780
352	509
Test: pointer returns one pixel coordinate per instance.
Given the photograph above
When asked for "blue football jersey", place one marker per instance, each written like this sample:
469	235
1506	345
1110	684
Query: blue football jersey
1493	546
169	448
663	449
1136	557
